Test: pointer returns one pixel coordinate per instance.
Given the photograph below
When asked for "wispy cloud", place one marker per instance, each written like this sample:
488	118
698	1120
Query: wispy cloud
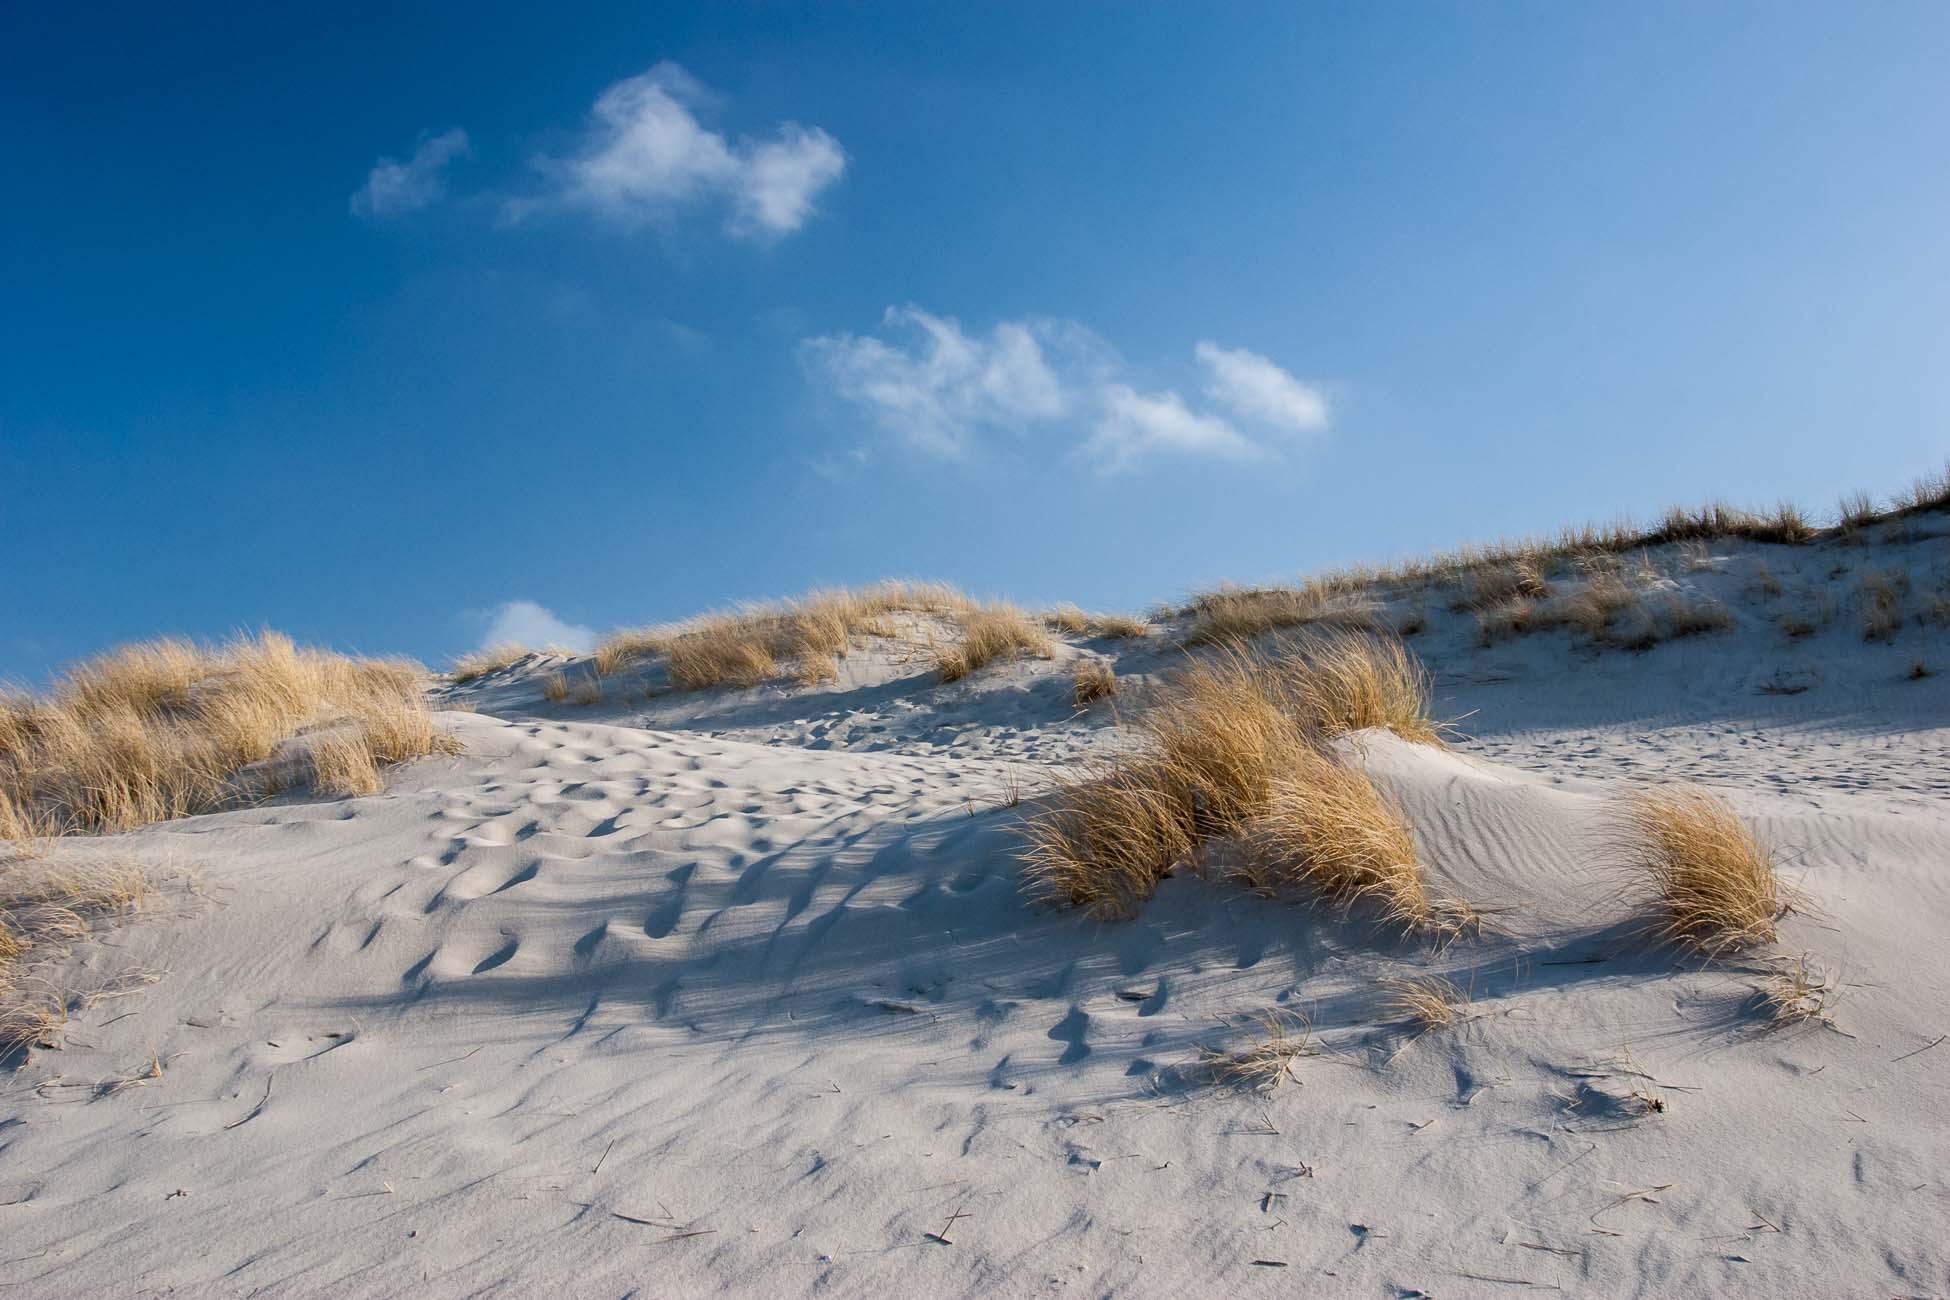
947	386
523	622
930	383
1256	389
394	187
645	157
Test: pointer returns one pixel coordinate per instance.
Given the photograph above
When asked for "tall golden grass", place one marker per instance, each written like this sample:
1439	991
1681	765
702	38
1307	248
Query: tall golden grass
1329	830
1239	614
757	643
165	729
1237	746
494	658
986	633
1092	680
1714	877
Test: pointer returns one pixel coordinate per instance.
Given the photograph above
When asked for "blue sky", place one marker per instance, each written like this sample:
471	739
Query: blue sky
365	322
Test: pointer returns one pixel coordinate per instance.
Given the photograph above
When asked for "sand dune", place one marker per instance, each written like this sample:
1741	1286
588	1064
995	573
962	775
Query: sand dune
736	991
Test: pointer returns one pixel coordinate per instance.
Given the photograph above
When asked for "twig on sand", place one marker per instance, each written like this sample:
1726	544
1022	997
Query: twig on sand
605	1155
1919	1051
453	1060
1642	1194
1512	1281
255	1110
942	1236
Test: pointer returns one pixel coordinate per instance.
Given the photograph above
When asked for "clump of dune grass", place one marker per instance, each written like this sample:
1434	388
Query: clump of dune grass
1521	577
1246	613
46	908
1714	878
1432	1002
1237	746
1931	492
1330	830
986	633
1261	1064
165	729
1763	583
587	691
1881	596
1118	627
1067	619
1857	510
756	643
555	688
1918	670
1811	611
1093	680
627	646
493	659
1797	993
816	667
1345	682
1108	837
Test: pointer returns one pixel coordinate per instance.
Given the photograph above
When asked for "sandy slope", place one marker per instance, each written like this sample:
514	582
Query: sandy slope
736	993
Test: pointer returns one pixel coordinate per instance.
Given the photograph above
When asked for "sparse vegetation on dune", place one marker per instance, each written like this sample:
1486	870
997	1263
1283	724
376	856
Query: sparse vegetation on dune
165	729
1245	613
629	645
1238	746
1093	680
1072	621
1328	829
1067	619
1714	878
1881	596
986	633
758	643
1118	627
45	907
471	667
1431	1002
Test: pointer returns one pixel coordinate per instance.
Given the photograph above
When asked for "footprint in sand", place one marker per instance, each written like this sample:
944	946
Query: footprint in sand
1073	1029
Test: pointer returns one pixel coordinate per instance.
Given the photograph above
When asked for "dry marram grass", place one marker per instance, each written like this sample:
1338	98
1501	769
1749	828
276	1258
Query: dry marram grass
165	729
1715	879
1797	993
1881	596
1093	680
45	908
1237	745
492	659
1264	1064
757	643
1432	1002
1239	614
986	633
1330	830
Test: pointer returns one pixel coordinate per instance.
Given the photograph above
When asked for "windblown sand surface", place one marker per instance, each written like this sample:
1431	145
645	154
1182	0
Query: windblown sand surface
736	992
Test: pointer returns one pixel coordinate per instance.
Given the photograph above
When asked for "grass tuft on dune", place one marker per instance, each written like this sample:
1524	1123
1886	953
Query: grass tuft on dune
166	729
1715	879
1238	746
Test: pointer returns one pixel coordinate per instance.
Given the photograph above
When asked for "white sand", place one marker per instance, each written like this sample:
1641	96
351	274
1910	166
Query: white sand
730	993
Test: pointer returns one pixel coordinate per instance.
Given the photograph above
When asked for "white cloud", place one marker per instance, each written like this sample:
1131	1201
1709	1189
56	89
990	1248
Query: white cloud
646	156
942	388
1134	424
523	622
393	187
1256	389
938	394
